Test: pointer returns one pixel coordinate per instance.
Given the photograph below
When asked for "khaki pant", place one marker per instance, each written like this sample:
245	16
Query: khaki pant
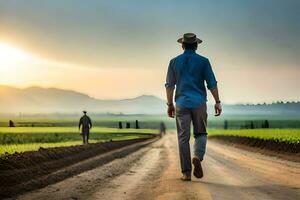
184	118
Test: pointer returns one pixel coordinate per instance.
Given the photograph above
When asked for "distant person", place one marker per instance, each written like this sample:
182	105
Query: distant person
188	72
120	125
137	126
85	123
11	123
162	129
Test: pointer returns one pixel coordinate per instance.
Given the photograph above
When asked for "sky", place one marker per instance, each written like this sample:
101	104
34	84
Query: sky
121	49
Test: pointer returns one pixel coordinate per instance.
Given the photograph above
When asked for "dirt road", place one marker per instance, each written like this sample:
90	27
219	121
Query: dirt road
153	173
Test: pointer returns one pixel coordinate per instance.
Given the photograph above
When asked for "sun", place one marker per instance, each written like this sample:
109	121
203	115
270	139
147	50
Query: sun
11	56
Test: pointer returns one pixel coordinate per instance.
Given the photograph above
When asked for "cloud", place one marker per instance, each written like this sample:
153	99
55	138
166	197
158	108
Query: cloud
112	49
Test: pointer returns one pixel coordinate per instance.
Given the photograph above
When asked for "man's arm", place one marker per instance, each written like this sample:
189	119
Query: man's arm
170	86
80	122
218	107
171	108
90	122
212	86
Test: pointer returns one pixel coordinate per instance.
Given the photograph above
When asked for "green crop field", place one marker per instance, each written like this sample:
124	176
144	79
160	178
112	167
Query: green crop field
283	135
145	121
20	139
149	121
70	130
12	148
243	122
33	132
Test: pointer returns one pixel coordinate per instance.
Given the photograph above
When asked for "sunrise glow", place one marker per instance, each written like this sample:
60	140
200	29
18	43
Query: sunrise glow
10	55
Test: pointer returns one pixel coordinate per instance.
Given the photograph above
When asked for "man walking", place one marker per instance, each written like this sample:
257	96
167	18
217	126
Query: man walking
188	72
86	123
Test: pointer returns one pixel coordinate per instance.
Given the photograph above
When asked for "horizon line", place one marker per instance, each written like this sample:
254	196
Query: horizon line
134	97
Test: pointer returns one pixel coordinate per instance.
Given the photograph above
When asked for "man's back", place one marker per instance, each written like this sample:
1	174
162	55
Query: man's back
85	121
188	72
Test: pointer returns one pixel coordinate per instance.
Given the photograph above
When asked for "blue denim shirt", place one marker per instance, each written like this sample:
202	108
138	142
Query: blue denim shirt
188	72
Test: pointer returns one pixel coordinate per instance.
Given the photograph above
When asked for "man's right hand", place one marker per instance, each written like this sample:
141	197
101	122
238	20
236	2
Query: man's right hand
218	109
171	111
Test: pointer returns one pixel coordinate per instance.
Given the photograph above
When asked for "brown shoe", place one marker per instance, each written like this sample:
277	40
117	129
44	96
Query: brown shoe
186	178
198	172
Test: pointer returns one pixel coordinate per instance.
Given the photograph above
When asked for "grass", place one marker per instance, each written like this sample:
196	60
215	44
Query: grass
23	135
150	121
145	121
20	139
71	130
282	135
52	131
12	148
239	123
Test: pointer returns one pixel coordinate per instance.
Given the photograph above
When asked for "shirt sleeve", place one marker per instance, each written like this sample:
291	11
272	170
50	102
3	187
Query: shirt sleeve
80	122
171	79
90	122
210	77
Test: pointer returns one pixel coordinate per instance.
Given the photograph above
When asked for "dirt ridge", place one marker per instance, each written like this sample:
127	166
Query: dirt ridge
284	150
48	166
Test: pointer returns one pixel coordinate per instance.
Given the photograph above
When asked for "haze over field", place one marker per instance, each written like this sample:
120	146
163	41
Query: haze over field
37	100
121	49
53	100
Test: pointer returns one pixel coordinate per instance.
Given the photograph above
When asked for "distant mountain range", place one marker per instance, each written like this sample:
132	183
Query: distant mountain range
53	100
34	100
